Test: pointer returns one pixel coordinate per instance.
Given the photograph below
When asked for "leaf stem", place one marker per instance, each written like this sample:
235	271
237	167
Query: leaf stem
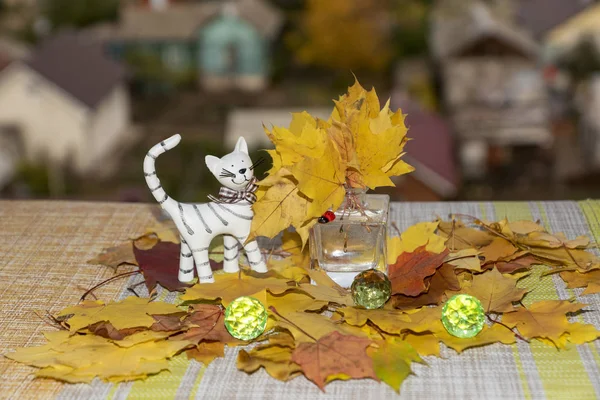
124	274
495	321
396	228
55	323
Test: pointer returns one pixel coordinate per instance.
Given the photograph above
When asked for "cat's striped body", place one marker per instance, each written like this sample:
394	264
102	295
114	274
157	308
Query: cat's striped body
199	223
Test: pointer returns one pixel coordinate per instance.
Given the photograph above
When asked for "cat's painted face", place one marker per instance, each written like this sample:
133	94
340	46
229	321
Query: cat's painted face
233	170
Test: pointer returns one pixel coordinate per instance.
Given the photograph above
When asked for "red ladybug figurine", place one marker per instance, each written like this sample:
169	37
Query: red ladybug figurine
327	217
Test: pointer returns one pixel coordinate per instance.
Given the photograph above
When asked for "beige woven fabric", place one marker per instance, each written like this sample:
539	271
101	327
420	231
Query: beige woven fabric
44	247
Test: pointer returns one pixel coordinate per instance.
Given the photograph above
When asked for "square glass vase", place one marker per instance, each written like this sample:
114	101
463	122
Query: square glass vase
355	240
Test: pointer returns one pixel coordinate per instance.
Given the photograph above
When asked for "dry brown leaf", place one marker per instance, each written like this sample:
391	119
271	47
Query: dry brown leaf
115	256
488	335
276	359
460	237
228	287
81	358
524	227
426	319
444	281
467	259
132	312
334	356
206	323
547	320
409	271
497	250
518	264
553	241
495	291
206	352
589	280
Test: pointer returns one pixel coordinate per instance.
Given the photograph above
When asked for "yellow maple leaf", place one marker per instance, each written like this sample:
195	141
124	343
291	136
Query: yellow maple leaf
426	319
282	205
589	280
392	360
314	161
379	135
207	352
342	139
322	180
81	358
293	147
426	344
413	237
496	292
228	287
275	357
306	327
465	259
300	120
547	320
488	335
133	312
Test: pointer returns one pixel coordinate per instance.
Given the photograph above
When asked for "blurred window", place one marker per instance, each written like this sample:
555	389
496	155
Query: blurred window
230	45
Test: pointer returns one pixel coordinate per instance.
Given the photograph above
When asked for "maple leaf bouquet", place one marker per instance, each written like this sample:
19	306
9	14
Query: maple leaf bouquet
315	162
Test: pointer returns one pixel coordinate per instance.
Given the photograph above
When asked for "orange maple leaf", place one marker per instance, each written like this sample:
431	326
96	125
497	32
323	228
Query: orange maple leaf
409	271
335	356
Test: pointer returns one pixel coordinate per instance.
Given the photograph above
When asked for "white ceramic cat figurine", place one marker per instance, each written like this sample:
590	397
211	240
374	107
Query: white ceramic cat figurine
230	215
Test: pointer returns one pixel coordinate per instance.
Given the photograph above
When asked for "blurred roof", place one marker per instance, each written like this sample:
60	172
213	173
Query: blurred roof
14	49
4	60
182	20
78	65
453	32
540	16
430	151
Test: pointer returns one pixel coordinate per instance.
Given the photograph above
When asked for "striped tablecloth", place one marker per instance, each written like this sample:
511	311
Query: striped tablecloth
43	251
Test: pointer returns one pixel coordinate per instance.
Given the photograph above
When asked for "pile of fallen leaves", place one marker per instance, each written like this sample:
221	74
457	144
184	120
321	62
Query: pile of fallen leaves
314	161
315	329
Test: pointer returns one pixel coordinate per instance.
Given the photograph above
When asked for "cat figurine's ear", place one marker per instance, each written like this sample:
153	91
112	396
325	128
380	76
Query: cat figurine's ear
241	146
212	163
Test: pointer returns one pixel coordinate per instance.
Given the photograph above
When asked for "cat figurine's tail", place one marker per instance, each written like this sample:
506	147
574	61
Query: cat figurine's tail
150	170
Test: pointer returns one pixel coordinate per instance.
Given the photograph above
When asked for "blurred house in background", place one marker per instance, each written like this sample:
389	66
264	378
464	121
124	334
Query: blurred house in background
430	151
590	125
65	106
493	89
10	146
557	24
220	45
569	34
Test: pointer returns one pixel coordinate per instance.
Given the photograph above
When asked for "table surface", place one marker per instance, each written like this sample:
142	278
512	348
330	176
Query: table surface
43	251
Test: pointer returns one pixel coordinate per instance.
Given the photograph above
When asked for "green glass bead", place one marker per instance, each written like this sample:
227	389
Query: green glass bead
245	318
463	316
371	289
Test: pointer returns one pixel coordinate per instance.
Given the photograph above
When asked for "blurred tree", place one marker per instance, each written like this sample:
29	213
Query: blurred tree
35	178
410	31
343	35
583	60
80	13
150	75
